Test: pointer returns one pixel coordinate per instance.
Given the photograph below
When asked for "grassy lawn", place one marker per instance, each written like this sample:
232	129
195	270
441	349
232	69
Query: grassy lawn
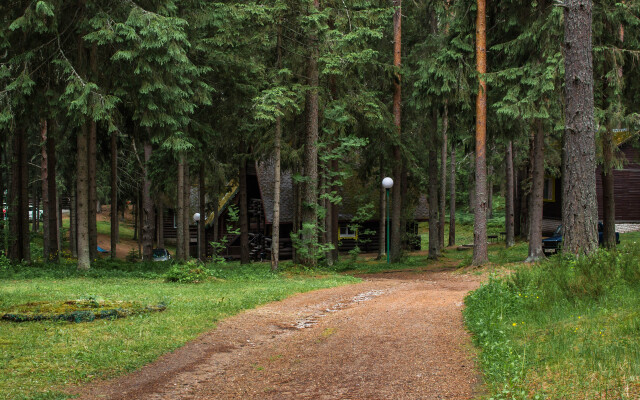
562	329
38	359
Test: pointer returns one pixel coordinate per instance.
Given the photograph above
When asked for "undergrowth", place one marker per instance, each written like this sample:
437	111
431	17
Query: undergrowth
562	329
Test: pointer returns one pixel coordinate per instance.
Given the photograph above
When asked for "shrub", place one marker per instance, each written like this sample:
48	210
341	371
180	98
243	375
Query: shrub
190	272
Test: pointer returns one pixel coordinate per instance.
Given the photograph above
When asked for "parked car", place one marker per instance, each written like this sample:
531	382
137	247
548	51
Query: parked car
553	244
161	255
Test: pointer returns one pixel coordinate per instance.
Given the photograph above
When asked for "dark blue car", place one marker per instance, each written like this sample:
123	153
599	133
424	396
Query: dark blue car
553	244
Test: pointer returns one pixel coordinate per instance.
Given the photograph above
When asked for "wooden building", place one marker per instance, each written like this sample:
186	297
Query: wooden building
260	198
626	192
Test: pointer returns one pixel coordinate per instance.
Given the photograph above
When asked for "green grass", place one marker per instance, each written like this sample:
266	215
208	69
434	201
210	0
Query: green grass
38	359
564	329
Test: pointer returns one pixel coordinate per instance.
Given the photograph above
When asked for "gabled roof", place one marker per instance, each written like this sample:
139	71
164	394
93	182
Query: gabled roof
265	170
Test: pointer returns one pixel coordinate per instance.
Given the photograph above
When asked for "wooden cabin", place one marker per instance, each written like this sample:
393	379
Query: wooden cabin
260	198
626	192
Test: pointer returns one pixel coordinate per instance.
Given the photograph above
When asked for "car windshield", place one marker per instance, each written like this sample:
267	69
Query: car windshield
159	253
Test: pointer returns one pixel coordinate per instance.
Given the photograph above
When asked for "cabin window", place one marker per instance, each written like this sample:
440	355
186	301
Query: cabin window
549	193
348	233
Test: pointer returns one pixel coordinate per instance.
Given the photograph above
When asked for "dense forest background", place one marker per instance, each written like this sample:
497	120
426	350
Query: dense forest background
109	102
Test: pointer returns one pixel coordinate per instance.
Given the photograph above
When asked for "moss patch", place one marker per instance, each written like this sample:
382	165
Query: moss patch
83	310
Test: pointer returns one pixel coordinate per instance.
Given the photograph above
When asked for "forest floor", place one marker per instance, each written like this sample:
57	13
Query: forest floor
395	335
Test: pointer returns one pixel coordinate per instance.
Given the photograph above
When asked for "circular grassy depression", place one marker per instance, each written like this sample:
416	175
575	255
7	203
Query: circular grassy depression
84	310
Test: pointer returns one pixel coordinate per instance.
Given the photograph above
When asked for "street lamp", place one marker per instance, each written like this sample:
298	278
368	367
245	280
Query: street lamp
196	219
387	183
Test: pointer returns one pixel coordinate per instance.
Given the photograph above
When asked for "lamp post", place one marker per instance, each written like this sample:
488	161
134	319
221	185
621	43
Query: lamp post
196	219
387	183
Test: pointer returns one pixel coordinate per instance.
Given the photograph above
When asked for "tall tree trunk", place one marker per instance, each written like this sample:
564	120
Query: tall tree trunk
44	180
148	217
489	191
443	175
92	154
92	199
579	207
160	223
115	223
202	243
517	188
4	178
434	234
82	196
180	256
18	205
608	199
186	215
537	195
35	208
480	255
509	196
275	232
73	222
52	212
244	218
335	223
452	197
310	197
139	219
396	211
382	231
472	182
49	198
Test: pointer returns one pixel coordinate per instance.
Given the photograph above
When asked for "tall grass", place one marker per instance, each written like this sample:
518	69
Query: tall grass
566	328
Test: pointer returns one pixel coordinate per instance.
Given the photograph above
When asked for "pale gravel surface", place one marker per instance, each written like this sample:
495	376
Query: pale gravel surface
394	336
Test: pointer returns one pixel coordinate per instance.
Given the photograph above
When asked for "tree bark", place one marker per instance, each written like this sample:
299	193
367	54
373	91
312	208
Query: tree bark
148	217
310	196
608	198
382	231
44	180
202	243
396	211
244	218
489	190
82	196
160	223
275	231
115	223
480	255
509	197
49	196
186	215
434	234
452	197
18	205
472	182
180	256
443	175
73	222
579	207
537	195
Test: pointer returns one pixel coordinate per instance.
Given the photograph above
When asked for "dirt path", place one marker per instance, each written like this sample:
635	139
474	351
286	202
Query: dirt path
394	336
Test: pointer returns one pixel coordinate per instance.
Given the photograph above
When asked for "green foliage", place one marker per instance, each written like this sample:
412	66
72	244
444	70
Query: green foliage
232	230
564	320
133	256
189	272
